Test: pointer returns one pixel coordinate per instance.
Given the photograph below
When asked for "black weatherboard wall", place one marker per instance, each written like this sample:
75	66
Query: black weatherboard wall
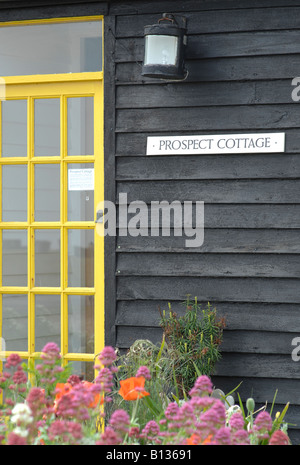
241	58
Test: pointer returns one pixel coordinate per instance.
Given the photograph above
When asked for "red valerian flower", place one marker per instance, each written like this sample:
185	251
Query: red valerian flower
279	438
133	388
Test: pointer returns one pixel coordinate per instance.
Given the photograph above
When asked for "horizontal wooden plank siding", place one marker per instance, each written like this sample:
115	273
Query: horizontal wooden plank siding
241	60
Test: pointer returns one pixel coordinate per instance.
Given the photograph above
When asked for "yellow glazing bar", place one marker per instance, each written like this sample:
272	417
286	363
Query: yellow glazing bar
80	357
1	251
30	219
23	354
64	298
64	326
43	225
53	78
1	245
1	303
69	19
46	290
1	189
1	131
63	218
13	161
14	290
31	323
99	269
99	240
80	290
37	88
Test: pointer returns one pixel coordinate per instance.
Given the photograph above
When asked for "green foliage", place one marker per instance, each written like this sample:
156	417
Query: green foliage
157	359
193	341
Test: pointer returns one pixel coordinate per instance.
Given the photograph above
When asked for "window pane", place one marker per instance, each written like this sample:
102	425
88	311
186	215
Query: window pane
67	47
47	320
80	258
14	258
14	193
47	127
47	192
80	192
14	128
81	324
81	126
15	321
85	370
47	257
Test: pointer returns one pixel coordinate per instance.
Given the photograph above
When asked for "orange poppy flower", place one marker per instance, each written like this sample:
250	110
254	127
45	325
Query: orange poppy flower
66	388
61	389
133	388
196	440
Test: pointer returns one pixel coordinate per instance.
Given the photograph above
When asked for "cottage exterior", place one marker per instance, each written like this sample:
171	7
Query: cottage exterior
75	121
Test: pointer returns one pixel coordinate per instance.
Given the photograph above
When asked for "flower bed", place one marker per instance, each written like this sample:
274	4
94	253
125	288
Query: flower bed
79	412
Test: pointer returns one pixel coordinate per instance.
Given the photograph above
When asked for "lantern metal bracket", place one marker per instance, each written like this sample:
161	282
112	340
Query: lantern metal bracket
179	20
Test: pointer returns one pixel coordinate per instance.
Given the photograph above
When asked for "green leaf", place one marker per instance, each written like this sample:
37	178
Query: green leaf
151	406
241	406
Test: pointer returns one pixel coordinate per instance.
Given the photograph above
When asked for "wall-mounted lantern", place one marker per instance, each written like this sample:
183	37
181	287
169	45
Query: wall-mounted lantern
165	44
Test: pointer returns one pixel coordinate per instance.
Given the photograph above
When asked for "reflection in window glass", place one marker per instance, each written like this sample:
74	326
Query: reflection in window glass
81	323
14	258
66	47
14	193
80	258
85	370
47	257
47	320
15	321
81	126
14	128
47	127
47	192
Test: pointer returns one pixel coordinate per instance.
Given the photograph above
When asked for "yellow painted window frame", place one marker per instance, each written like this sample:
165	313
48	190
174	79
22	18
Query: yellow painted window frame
29	87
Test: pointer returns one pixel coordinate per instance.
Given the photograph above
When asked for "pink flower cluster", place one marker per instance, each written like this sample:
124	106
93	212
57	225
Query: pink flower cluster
57	417
13	382
59	412
200	420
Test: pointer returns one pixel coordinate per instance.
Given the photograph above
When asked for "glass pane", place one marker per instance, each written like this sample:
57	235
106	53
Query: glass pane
47	320
81	126
80	192
161	50
81	323
85	370
67	47
80	258
14	258
47	127
14	128
14	193
47	192
47	257
15	321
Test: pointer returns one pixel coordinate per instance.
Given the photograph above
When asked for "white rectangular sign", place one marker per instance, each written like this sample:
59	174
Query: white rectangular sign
81	179
216	144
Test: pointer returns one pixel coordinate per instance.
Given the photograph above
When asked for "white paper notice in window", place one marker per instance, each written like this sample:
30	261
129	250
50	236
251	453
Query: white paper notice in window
81	179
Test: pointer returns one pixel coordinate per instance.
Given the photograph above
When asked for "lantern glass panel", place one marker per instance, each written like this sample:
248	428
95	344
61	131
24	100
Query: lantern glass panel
161	50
